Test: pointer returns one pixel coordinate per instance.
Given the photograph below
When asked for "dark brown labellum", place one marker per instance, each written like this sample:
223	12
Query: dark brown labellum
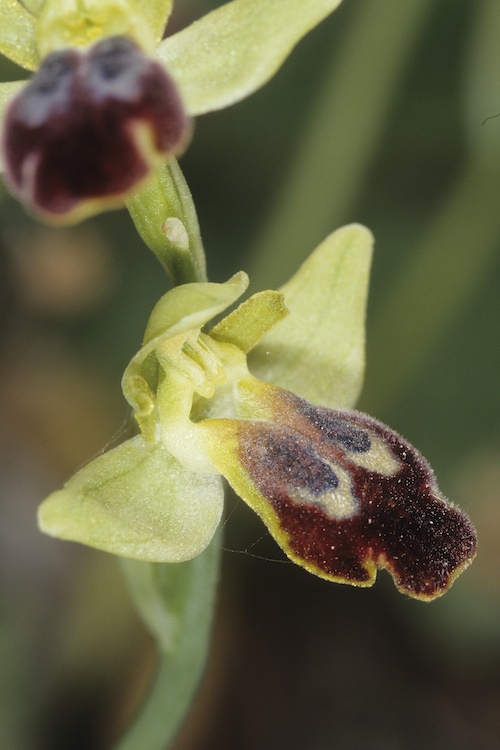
345	495
89	126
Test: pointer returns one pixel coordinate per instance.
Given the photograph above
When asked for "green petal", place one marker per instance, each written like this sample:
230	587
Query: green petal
318	351
233	51
139	502
246	325
18	34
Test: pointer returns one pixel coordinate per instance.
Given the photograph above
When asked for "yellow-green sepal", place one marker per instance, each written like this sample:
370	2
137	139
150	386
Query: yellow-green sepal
157	13
326	326
137	501
231	52
18	34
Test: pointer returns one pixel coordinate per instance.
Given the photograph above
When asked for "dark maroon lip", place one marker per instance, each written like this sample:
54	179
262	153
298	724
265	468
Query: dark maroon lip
75	132
396	520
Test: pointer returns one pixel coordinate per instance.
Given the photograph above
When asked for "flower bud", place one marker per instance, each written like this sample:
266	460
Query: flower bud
89	127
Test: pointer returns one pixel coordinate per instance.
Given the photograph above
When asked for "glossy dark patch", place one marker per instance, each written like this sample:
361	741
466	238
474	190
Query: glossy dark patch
49	90
403	523
333	426
70	136
292	461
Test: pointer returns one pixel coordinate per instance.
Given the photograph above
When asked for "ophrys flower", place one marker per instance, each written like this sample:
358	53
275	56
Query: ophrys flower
341	493
111	98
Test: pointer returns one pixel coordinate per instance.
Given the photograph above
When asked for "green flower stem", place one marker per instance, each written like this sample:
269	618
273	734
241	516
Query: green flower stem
165	217
343	130
176	601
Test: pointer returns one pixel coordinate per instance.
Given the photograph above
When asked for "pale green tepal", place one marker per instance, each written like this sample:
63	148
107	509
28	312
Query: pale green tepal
158	496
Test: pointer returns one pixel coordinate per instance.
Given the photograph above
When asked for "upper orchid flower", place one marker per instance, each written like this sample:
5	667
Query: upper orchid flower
341	493
111	99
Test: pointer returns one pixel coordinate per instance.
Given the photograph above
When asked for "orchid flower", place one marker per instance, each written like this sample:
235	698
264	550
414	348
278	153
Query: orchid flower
111	99
263	398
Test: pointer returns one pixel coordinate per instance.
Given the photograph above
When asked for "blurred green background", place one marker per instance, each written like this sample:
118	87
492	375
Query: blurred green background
377	117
